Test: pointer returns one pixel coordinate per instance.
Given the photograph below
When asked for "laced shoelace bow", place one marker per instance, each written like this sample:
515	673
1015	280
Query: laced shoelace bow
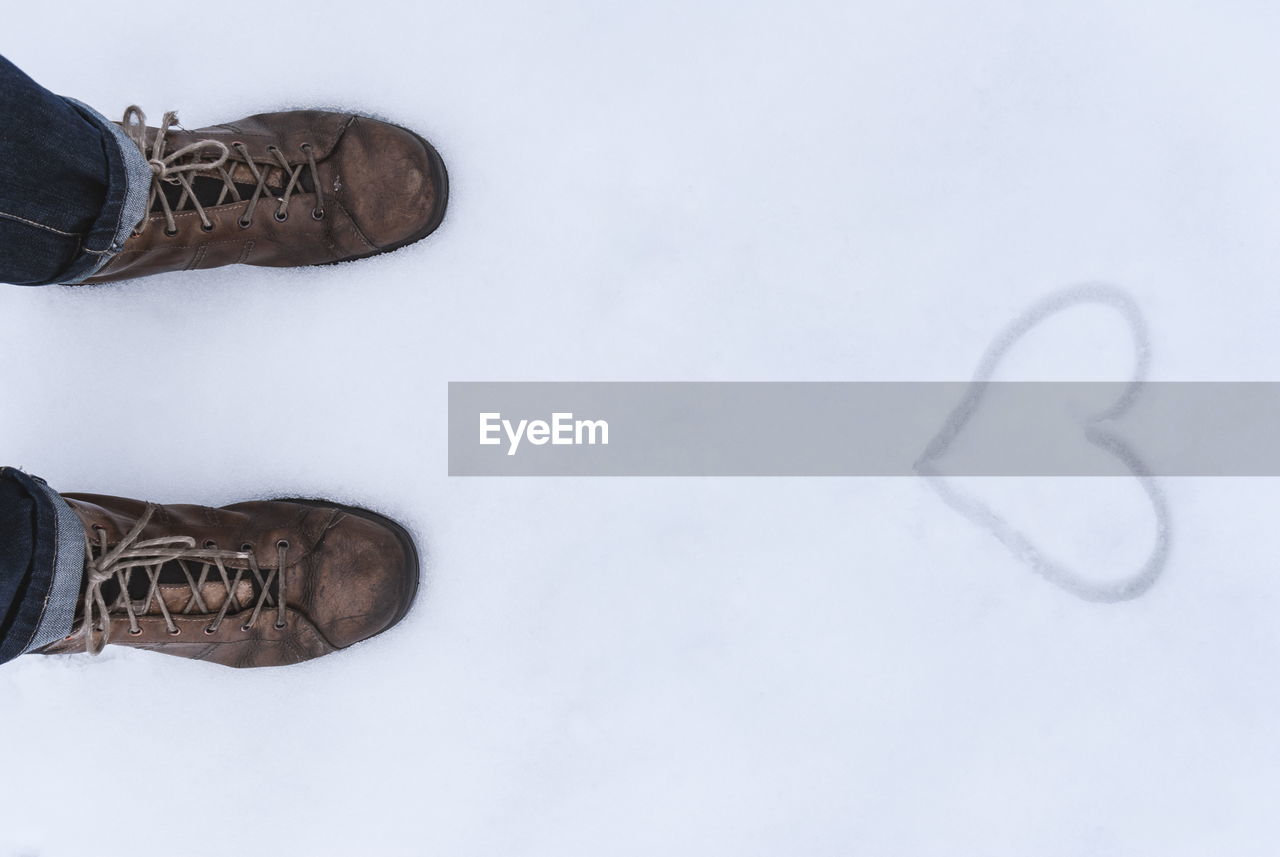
148	556
183	165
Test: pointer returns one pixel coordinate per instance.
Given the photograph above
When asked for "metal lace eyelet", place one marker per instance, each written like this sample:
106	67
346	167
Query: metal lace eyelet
246	547
171	232
280	626
246	628
175	632
283	543
305	146
317	214
244	223
210	544
133	633
281	216
206	227
210	630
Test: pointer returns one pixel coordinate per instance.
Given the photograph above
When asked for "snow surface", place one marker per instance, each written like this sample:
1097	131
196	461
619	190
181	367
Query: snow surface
683	191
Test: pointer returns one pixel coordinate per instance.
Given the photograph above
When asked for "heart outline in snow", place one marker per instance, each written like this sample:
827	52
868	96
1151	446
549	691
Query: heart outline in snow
1014	539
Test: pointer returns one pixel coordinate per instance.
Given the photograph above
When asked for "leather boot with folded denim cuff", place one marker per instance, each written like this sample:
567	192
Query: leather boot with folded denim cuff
301	187
253	584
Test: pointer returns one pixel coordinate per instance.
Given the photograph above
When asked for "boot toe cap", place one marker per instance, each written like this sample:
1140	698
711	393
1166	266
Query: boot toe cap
391	181
364	579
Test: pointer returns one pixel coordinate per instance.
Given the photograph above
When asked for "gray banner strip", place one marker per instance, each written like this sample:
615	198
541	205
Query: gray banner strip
864	429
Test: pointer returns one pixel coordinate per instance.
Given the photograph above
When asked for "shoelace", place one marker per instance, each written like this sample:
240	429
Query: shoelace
131	554
181	167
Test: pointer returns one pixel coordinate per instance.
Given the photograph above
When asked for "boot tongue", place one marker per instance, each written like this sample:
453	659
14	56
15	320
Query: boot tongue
178	597
210	187
244	179
176	591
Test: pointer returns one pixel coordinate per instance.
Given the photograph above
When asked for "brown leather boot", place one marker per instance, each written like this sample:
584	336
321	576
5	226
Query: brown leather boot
255	584
303	187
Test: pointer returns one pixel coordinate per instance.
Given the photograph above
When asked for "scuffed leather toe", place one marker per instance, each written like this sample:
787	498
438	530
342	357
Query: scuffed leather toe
390	181
363	578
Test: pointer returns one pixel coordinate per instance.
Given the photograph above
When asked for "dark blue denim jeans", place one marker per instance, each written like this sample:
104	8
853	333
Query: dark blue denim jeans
41	564
70	184
63	185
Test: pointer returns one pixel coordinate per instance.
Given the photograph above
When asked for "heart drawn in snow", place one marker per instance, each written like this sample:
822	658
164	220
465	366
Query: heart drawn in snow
981	514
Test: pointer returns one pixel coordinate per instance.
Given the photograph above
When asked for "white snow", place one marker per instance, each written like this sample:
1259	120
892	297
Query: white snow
681	191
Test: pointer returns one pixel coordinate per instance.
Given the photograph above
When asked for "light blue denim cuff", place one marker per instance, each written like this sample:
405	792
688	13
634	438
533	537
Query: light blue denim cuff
137	185
59	613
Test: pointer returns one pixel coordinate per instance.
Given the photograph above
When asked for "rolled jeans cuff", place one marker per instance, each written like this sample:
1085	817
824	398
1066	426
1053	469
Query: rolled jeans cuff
44	566
59	613
128	191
